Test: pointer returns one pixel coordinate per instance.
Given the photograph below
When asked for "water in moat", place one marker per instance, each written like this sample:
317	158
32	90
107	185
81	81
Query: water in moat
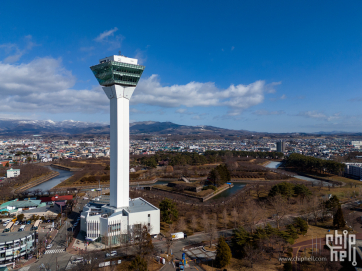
229	192
63	175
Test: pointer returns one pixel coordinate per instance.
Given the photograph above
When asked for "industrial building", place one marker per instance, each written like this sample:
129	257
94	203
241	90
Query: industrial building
113	218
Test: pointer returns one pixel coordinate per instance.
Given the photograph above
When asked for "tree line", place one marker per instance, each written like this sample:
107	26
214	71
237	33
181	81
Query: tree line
187	158
303	163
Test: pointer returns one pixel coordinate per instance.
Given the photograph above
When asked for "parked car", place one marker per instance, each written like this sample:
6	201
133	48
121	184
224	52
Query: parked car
5	223
49	246
77	260
16	223
28	222
112	254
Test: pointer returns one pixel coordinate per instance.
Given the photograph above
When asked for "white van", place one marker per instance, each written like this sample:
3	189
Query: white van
177	235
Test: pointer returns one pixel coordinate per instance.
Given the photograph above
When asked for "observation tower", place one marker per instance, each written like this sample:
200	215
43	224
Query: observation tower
119	75
111	218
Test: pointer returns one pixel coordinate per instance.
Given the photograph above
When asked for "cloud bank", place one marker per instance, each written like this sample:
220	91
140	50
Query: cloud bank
44	85
237	98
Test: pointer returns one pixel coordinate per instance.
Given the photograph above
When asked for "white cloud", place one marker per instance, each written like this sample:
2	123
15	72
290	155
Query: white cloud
140	55
237	98
15	53
283	97
266	113
232	48
319	115
44	85
108	38
101	37
181	110
40	75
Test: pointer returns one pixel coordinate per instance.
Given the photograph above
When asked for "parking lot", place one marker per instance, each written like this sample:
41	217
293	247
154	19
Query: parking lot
27	226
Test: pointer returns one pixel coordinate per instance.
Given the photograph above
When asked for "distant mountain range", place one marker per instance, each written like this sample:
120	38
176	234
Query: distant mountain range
10	127
42	127
71	127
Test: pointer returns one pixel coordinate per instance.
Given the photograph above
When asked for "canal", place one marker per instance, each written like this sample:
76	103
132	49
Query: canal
63	175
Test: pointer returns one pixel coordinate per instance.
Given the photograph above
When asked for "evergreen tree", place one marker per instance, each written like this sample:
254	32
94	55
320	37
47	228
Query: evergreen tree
240	238
138	264
168	211
338	219
332	204
285	189
223	253
302	191
301	225
219	175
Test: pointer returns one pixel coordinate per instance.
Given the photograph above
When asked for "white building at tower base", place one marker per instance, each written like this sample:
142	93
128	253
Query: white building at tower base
101	220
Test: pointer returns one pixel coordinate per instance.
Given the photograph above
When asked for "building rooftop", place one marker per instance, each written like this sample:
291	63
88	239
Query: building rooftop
25	203
139	205
10	236
135	205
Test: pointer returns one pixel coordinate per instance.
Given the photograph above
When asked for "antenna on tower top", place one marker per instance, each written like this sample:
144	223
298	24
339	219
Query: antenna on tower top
119	53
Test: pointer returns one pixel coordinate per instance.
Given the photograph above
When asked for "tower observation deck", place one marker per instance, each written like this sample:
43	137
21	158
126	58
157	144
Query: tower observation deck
118	76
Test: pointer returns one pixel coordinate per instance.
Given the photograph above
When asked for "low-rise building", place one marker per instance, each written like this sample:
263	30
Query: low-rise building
98	219
16	245
12	173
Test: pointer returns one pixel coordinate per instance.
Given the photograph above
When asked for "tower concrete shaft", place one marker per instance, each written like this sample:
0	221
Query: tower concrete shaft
119	120
119	76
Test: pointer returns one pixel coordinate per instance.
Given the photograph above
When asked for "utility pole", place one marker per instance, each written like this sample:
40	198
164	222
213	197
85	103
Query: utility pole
66	231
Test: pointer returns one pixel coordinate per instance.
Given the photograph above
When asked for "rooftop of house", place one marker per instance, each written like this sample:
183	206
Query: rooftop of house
11	236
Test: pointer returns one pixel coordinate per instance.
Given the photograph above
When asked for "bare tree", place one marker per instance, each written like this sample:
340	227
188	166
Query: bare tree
214	219
211	232
280	207
352	218
142	239
252	254
193	223
205	221
225	218
235	215
259	189
181	224
251	215
315	208
169	240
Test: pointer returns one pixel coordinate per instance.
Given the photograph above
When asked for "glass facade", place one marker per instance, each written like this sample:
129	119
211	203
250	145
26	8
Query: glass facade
110	73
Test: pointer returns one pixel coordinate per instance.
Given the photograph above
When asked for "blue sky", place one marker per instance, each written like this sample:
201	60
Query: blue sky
273	66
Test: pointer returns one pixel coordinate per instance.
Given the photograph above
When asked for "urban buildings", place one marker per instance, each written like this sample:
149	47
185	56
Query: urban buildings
117	215
281	146
11	173
14	245
357	144
354	170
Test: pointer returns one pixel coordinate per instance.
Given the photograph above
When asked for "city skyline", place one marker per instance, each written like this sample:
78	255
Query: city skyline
260	66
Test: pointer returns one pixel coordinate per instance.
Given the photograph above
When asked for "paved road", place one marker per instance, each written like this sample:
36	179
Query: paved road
59	256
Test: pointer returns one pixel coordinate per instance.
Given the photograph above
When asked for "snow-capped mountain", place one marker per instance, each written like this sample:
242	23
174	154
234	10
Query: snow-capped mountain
23	127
